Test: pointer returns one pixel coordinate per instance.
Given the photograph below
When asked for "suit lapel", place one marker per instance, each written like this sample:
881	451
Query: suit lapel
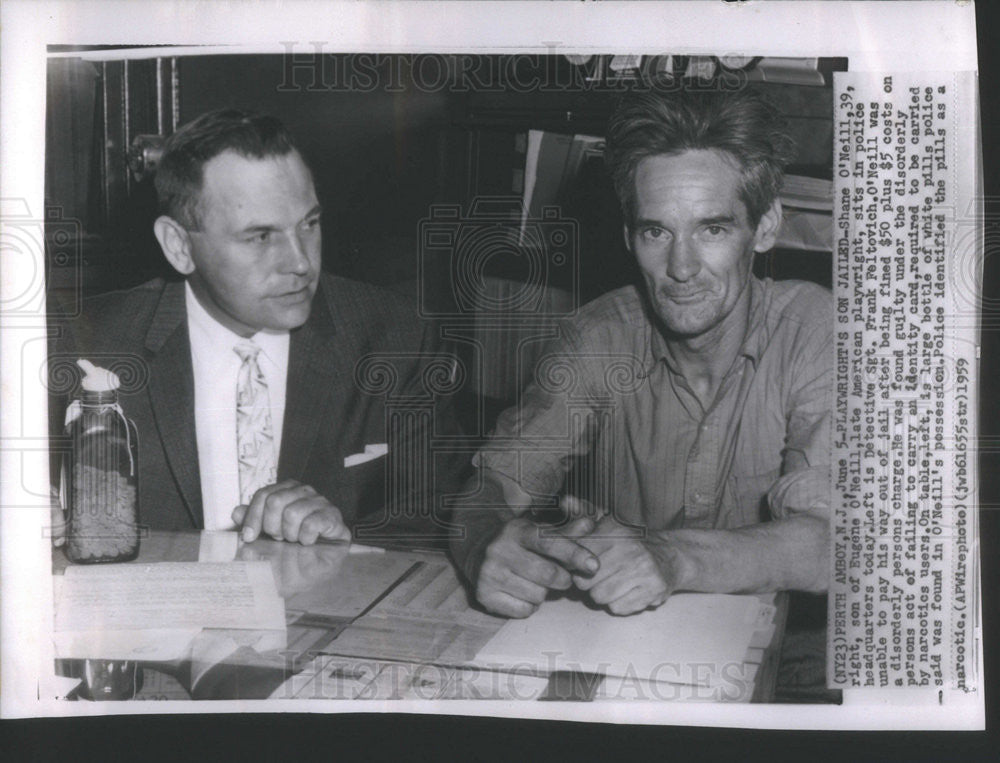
171	393
320	370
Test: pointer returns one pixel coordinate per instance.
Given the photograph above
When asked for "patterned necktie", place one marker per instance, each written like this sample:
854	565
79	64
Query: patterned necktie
254	435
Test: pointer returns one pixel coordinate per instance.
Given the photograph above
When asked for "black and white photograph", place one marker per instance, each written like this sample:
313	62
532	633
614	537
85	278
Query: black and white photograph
436	364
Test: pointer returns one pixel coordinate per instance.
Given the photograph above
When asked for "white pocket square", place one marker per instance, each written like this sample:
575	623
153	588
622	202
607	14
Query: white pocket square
371	452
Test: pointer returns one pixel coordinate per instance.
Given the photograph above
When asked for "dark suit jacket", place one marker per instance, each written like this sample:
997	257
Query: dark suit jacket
142	334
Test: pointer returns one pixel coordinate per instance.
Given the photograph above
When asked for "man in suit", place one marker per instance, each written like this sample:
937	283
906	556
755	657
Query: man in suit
253	414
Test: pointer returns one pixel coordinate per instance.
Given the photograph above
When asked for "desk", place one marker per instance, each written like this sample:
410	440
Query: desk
413	635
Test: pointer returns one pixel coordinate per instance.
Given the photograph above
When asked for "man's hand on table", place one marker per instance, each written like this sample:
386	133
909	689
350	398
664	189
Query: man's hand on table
290	511
630	578
611	562
525	561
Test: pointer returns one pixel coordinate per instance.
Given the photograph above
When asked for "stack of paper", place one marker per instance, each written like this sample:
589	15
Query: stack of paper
807	222
807	193
788	71
154	611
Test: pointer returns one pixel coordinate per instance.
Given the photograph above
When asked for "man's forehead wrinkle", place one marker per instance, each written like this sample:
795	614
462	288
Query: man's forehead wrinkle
705	205
705	185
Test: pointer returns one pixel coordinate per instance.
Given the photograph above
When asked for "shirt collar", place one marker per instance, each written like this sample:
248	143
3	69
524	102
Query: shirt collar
216	335
754	341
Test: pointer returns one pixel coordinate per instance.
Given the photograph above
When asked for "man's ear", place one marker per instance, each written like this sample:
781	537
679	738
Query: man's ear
768	227
175	243
627	233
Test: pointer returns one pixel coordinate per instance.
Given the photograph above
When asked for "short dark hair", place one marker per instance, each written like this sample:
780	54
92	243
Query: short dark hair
180	172
741	123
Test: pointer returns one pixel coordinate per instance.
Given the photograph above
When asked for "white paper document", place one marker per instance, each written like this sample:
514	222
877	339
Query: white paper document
153	611
426	618
691	638
355	581
217	546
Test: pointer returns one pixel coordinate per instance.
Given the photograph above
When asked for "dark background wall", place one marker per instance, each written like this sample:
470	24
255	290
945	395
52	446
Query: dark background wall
388	137
380	158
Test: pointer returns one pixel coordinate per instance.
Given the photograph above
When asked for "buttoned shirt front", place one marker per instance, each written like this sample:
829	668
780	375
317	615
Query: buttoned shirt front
608	395
215	365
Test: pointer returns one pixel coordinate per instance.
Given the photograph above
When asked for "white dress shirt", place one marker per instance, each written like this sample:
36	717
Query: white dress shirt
216	365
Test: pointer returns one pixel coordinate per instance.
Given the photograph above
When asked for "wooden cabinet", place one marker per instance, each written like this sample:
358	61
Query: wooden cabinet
95	111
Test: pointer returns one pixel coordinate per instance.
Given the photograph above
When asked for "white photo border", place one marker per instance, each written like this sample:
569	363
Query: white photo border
877	37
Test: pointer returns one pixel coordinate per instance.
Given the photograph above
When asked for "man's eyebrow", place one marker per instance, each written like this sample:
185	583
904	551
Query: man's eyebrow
718	220
724	219
256	229
646	222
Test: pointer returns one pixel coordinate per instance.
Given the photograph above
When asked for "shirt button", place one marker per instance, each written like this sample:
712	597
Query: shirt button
697	495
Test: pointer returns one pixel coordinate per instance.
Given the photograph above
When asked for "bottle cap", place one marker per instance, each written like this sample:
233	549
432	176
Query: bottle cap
96	379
